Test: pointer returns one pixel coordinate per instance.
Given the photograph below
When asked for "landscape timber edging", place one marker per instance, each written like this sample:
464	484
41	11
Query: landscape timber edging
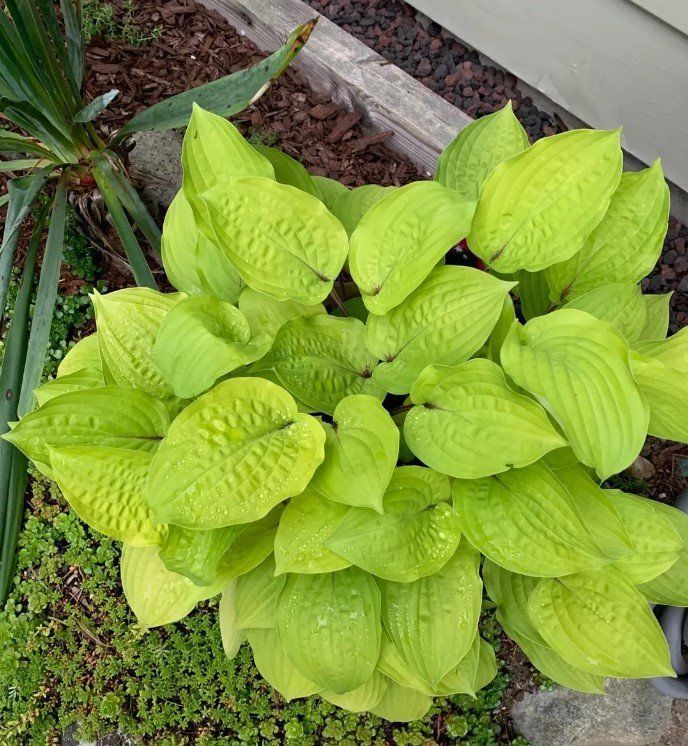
354	76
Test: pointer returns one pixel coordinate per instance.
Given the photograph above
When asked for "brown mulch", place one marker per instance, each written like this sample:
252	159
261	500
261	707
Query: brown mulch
196	46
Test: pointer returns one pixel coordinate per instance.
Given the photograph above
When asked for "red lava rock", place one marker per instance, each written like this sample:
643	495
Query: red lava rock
451	80
424	68
436	44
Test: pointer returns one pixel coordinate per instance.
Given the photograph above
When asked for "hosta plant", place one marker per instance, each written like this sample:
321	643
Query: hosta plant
347	430
51	128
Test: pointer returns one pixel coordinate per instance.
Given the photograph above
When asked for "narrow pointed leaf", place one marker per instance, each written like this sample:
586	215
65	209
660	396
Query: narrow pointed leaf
96	107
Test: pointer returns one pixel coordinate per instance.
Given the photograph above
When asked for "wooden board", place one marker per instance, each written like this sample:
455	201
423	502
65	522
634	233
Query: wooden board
355	76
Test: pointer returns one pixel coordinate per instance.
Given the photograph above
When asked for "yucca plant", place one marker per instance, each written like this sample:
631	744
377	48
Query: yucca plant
41	75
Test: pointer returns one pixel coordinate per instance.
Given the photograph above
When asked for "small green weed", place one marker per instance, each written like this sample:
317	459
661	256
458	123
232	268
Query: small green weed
104	20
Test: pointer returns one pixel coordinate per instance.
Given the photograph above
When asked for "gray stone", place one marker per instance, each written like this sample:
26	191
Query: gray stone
632	712
155	165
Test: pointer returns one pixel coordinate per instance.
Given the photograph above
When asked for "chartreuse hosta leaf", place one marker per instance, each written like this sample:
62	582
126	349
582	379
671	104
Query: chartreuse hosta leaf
671	587
84	354
231	633
197	554
597	510
577	367
445	321
619	304
321	360
106	487
511	592
507	316
112	416
533	293
201	339
400	704
307	521
288	170
432	621
468	423
156	595
329	627
276	668
505	516
672	351
401	238
656	324
86	378
352	205
256	596
266	316
361	449
538	207
232	455
477	149
656	542
214	152
330	190
283	242
598	621
128	322
366	697
415	536
666	393
626	244
193	263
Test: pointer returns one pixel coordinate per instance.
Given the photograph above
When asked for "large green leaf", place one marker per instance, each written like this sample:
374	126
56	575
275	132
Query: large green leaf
352	205
106	487
256	596
329	625
361	449
597	511
307	521
274	665
156	595
283	242
511	592
364	698
193	263
626	244
109	416
472	155
206	330
665	391
253	544
671	587
225	96
401	238
265	315
577	367
321	360
538	207
656	542
414	537
507	515
231	634
599	622
432	621
401	705
197	554
444	321
128	322
656	324
330	190
232	455
507	316
468	423
533	293
619	304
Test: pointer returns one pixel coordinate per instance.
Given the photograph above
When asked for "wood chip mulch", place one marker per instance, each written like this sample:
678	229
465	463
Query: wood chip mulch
196	46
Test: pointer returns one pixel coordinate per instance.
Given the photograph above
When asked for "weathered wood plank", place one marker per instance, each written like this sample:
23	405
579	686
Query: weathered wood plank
336	63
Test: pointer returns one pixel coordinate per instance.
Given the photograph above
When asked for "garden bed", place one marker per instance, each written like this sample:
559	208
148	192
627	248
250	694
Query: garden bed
88	662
